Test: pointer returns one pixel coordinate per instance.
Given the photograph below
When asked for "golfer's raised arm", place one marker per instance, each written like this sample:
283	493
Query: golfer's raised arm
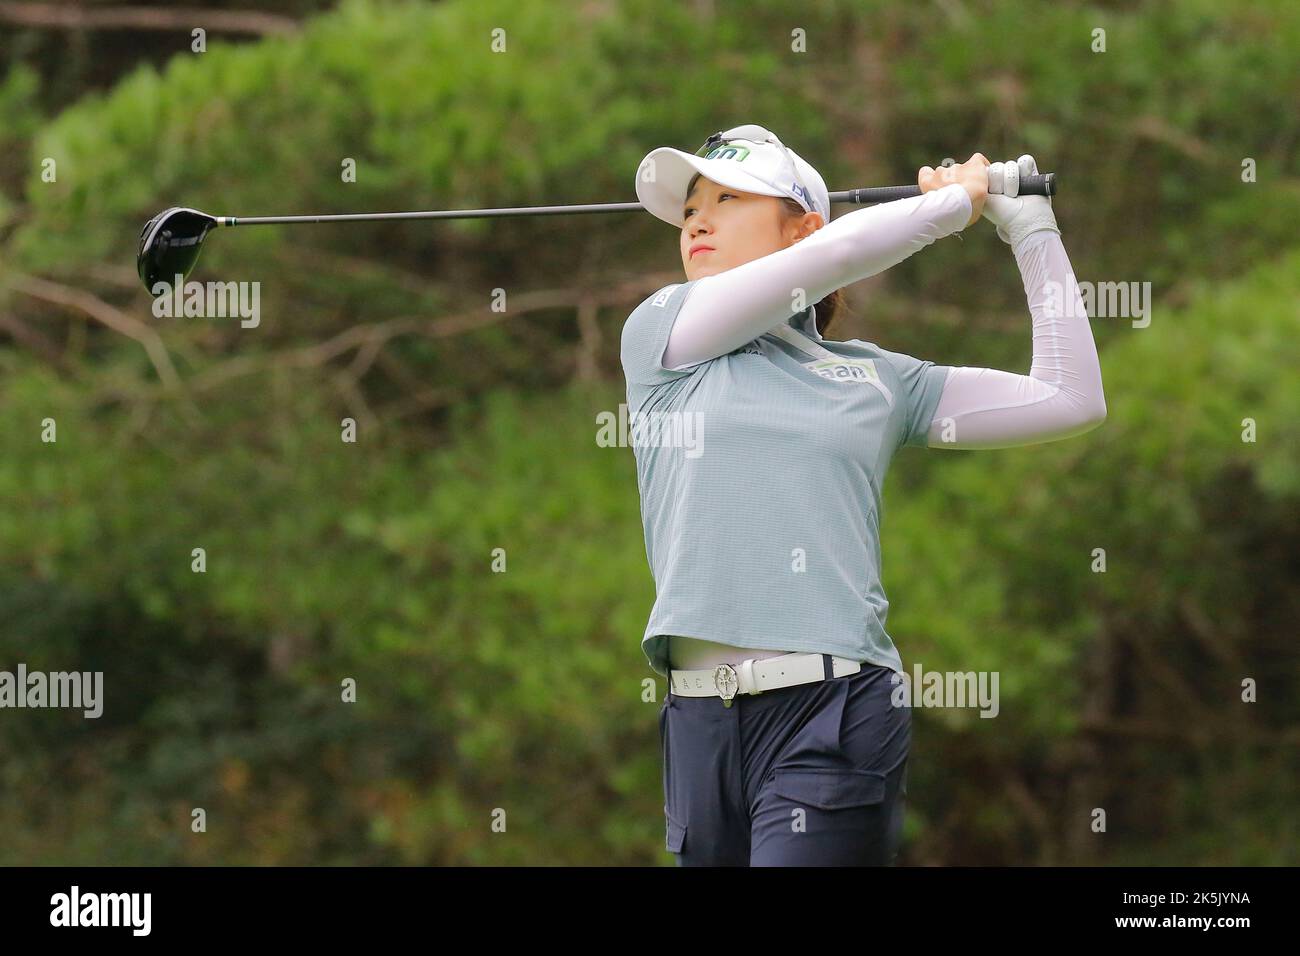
1062	394
722	312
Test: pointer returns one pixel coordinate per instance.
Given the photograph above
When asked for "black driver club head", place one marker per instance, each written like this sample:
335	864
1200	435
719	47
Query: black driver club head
169	245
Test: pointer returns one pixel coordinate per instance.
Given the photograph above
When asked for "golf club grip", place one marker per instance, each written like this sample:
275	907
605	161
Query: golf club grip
1043	184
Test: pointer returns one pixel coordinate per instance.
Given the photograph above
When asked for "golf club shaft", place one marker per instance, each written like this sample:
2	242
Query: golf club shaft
1040	185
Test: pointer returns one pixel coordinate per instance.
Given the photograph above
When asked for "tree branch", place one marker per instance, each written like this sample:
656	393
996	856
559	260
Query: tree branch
589	329
371	338
29	337
99	310
77	17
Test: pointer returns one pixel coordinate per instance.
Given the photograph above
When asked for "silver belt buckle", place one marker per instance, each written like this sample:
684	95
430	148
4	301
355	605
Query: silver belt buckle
725	682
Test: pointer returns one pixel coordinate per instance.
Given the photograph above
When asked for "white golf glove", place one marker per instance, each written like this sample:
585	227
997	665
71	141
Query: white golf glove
1014	215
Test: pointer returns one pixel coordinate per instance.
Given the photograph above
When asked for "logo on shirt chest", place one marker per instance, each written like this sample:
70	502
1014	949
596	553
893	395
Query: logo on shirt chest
852	372
846	370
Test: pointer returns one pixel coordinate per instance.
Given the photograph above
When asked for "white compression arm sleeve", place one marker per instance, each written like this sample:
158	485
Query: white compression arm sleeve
1060	397
722	312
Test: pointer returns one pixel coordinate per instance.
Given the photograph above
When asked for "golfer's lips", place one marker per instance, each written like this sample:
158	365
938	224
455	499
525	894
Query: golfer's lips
700	247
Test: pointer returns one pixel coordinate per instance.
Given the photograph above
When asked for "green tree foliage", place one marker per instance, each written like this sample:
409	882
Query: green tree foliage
523	690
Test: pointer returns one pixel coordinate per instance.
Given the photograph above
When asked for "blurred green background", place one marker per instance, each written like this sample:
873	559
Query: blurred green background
527	690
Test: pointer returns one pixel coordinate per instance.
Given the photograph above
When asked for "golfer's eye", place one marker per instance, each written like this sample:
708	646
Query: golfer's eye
690	209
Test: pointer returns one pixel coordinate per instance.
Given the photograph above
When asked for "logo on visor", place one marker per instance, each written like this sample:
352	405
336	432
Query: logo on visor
738	153
800	191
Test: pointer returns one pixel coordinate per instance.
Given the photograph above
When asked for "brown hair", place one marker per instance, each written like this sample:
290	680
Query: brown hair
828	308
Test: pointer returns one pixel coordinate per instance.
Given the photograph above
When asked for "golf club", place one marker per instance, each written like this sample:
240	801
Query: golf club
170	241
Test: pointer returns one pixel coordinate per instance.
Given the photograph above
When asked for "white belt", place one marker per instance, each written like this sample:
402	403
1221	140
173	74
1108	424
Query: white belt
754	676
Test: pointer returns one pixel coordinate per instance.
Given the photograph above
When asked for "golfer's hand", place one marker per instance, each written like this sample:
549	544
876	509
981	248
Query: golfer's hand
972	175
1017	216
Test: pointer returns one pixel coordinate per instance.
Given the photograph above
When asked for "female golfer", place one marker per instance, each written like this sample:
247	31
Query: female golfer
781	745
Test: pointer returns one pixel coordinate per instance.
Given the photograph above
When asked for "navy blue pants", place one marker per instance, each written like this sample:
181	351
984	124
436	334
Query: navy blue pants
810	775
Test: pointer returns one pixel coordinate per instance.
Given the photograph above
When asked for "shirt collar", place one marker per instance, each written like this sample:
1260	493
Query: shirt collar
806	322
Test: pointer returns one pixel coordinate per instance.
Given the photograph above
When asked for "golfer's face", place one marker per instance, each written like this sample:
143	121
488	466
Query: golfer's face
738	226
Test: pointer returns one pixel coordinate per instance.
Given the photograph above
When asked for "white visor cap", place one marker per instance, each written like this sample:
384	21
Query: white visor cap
766	168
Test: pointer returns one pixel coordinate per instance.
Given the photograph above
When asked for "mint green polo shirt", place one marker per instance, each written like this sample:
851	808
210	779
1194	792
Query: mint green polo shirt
760	474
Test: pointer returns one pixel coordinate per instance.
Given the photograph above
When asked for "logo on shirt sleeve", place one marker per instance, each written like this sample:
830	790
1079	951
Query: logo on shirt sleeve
662	298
